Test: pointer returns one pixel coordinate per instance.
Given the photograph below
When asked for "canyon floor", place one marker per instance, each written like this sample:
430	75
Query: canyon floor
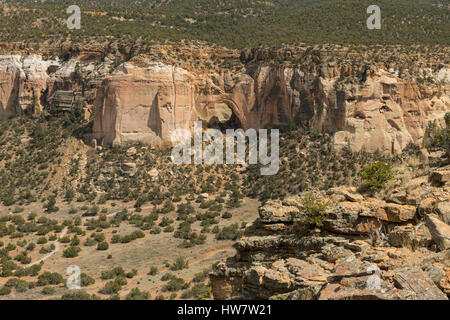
153	250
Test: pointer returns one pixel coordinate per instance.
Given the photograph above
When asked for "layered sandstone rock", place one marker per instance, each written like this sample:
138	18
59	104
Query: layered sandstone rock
367	249
144	101
27	82
382	113
10	69
144	104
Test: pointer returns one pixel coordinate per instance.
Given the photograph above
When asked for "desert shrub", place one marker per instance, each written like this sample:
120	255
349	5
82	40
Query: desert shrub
114	286
175	284
216	229
169	229
4	291
86	280
113	273
90	242
131	273
227	215
201	276
128	238
155	230
49	278
65	239
179	264
45	250
23	258
231	232
71	252
136	294
29	271
48	290
18	284
168	276
199	291
376	175
153	271
73	210
75	241
42	240
103	246
315	208
436	137
78	295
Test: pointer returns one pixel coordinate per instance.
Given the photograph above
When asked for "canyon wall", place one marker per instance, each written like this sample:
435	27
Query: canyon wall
382	113
145	101
144	104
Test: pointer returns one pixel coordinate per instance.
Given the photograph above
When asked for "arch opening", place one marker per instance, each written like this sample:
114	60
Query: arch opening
221	117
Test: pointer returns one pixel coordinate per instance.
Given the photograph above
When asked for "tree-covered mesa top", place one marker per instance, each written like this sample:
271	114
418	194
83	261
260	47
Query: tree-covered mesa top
232	23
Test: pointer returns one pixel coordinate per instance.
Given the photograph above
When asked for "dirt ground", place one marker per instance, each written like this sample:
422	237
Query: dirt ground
140	254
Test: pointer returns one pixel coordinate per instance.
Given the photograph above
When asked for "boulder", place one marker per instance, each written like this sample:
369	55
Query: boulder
440	231
348	193
417	281
440	177
128	166
443	209
409	237
131	151
285	211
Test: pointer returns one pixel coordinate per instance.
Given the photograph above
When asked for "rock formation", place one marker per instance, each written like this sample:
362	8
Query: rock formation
144	101
383	113
144	104
368	248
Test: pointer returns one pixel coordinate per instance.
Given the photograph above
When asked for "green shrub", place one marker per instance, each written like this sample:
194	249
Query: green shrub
376	175
153	271
71	252
315	208
175	285
229	233
136	294
112	287
48	290
179	264
103	246
227	215
78	295
436	137
110	274
199	291
49	278
4	291
86	280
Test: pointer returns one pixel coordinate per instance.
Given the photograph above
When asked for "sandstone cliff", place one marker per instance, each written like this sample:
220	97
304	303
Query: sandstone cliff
144	99
144	104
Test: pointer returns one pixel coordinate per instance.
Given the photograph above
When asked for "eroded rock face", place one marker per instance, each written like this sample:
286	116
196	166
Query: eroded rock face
144	104
145	101
10	69
368	248
27	82
382	113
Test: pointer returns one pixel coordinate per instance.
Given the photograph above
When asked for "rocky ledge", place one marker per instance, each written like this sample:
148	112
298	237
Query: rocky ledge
396	247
